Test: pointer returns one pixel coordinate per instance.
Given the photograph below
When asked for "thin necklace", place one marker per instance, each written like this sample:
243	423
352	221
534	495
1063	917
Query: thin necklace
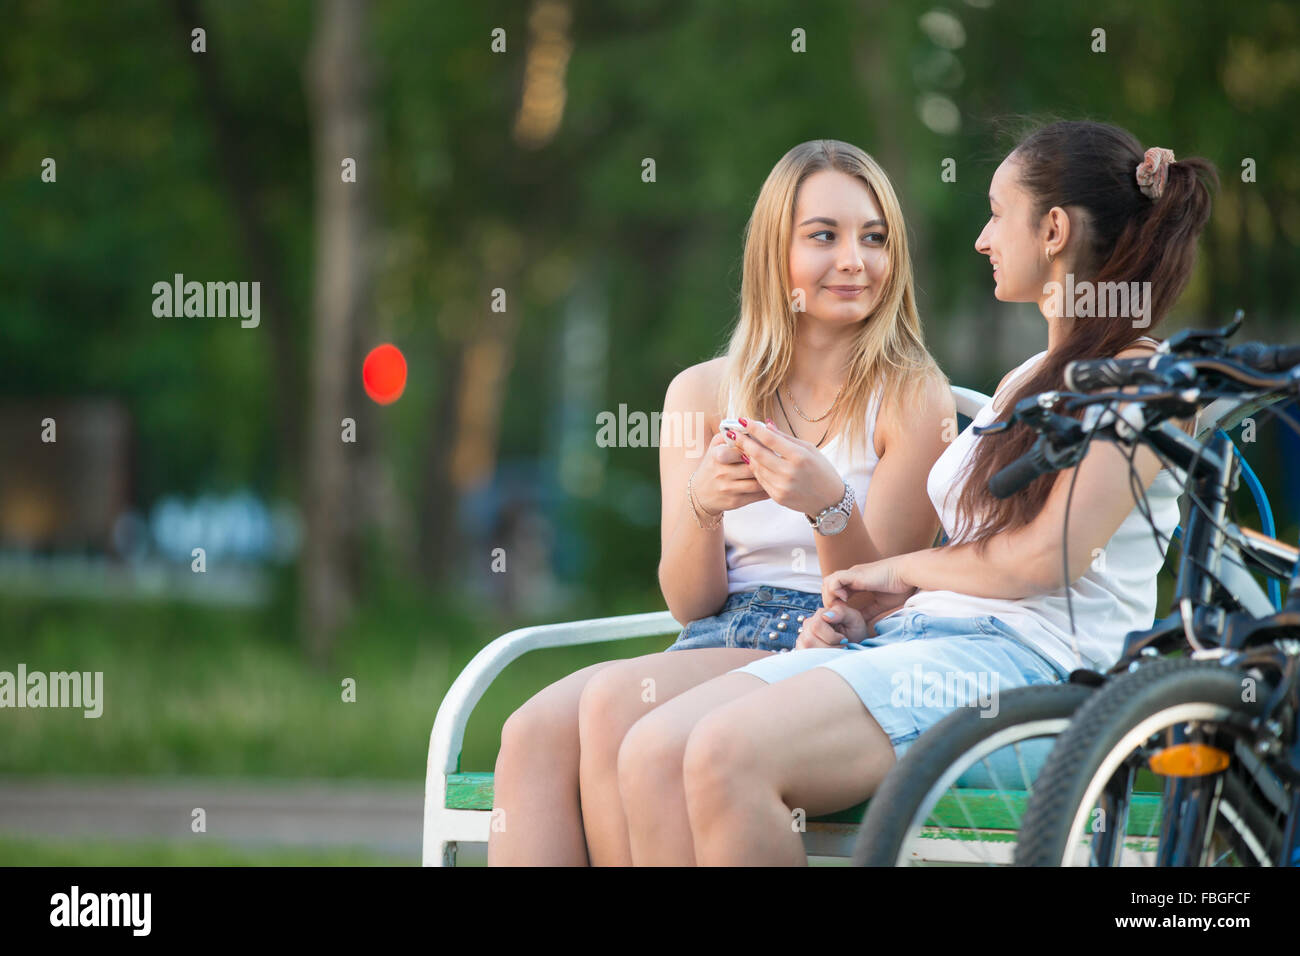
799	411
791	424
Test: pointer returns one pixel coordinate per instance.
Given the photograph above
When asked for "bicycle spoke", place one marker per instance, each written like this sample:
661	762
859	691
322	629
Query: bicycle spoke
1226	853
1211	815
1020	760
964	820
961	805
1002	791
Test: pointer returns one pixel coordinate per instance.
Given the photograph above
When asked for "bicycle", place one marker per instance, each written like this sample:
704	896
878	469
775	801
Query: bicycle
971	772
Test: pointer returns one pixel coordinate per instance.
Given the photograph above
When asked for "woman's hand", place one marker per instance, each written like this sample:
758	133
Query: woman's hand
880	582
793	472
724	480
828	626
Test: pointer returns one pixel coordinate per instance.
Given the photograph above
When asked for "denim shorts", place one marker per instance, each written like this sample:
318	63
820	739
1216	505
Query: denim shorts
765	618
918	668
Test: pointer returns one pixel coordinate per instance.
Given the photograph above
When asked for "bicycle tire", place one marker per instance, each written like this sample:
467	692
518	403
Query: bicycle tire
1160	695
901	807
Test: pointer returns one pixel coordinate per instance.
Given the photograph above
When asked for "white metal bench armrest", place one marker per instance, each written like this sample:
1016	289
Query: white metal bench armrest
453	713
969	402
443	827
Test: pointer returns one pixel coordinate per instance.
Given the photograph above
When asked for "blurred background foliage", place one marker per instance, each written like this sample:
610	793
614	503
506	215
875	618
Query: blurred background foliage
518	170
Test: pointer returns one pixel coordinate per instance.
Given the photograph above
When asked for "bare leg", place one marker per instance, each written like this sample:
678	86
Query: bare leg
804	743
650	770
535	785
612	702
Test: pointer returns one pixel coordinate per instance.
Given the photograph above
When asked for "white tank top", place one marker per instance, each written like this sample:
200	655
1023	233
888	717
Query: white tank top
1116	595
767	543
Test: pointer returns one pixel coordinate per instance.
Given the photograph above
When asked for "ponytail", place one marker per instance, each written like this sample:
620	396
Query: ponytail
1144	215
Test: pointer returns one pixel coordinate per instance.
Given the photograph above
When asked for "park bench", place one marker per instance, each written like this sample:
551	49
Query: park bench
458	804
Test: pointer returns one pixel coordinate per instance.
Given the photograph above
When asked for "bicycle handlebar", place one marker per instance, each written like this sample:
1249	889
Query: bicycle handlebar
1266	358
1017	475
1089	375
1191	362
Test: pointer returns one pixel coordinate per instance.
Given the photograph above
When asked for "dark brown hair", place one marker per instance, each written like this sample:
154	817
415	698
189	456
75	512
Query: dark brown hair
1128	237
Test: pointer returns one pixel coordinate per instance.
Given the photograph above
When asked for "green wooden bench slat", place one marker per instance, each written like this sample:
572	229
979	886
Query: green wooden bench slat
984	809
469	791
473	791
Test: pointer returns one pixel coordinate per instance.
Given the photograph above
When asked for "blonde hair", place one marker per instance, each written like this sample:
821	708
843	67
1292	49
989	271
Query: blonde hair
888	353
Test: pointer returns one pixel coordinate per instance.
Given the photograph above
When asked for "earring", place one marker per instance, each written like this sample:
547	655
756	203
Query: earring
1049	255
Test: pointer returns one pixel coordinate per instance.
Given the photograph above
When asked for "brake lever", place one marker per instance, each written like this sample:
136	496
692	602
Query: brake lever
1211	342
1034	411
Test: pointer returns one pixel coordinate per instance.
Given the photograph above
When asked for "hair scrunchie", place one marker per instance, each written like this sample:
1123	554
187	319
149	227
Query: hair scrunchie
1153	171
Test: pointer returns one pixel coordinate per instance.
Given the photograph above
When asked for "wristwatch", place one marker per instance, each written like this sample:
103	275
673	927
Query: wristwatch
834	519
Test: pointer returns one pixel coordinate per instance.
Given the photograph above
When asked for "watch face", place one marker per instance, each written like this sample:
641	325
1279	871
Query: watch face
834	523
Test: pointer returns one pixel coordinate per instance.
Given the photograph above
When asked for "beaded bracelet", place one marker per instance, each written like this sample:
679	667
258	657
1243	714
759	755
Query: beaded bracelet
696	508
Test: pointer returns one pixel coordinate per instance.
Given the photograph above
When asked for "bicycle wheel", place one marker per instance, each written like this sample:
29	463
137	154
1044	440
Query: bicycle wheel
959	792
1207	800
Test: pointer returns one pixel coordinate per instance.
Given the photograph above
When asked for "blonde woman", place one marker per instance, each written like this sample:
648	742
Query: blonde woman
827	373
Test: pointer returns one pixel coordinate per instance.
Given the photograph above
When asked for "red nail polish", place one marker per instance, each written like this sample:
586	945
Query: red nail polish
770	422
746	458
730	433
744	423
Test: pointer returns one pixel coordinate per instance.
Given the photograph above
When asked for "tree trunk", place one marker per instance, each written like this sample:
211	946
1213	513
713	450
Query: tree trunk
439	538
338	85
463	456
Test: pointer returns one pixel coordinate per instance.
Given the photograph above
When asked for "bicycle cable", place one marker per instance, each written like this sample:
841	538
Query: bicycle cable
1065	537
1196	500
1165	542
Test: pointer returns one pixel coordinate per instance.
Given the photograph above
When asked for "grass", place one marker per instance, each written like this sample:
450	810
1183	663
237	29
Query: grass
195	691
200	691
50	852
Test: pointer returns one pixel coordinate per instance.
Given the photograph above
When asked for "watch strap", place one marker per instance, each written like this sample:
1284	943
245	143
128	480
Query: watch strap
844	505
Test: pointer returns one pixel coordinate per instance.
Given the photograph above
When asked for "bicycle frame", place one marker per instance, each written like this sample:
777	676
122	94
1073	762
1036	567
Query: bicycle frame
1217	555
1219	611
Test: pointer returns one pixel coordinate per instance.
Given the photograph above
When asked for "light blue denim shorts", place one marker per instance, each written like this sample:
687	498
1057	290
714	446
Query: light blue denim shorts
765	618
918	668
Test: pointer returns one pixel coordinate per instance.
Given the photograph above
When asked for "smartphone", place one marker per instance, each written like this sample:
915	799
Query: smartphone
730	424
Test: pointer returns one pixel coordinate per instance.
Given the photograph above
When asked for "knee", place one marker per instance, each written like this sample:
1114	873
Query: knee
537	730
649	762
609	704
719	757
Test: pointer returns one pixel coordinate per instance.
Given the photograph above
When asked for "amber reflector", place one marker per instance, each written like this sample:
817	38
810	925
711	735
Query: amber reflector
1189	760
